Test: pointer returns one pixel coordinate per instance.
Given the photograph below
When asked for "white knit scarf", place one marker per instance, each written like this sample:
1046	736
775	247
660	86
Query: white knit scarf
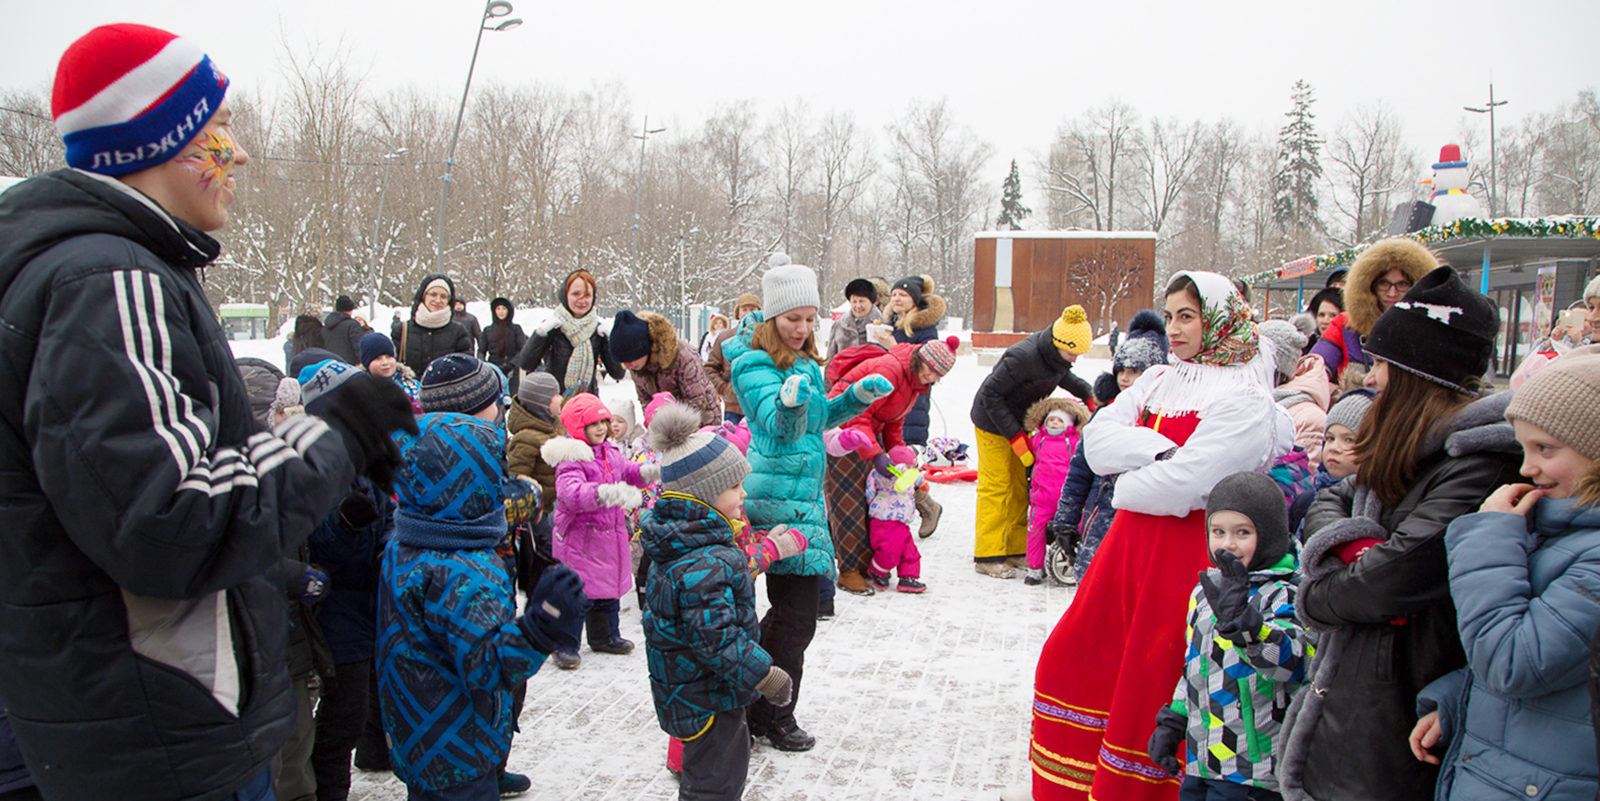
580	332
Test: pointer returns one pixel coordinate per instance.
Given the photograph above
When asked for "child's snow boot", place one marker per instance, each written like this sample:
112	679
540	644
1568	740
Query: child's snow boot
567	658
911	585
879	580
514	784
1035	577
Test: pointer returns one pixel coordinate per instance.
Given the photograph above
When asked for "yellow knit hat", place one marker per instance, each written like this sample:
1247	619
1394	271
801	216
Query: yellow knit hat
1072	332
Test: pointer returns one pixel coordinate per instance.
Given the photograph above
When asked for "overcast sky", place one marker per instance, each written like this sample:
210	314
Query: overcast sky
1011	70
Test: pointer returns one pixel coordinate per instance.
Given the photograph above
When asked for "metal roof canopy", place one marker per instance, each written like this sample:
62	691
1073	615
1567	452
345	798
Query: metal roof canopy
1466	253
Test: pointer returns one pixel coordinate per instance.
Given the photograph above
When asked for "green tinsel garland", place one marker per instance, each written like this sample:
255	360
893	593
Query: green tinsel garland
1535	227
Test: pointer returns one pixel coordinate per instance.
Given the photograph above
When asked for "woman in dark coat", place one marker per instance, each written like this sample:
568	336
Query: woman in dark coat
503	339
430	333
570	345
1377	584
914	314
307	335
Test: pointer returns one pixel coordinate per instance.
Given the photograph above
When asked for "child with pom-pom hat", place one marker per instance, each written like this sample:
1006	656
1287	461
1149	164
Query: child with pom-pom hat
700	628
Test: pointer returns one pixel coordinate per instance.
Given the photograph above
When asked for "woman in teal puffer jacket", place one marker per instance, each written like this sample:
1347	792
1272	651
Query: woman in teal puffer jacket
778	379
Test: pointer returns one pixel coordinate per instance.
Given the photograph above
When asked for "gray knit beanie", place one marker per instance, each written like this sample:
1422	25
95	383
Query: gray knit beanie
787	286
1561	400
694	462
1287	344
535	391
1259	498
1350	409
456	382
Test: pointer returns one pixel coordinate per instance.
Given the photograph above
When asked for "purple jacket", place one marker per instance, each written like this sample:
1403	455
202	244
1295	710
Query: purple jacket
590	538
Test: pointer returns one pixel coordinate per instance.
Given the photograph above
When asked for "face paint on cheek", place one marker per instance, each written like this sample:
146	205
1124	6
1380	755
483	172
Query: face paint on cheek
213	157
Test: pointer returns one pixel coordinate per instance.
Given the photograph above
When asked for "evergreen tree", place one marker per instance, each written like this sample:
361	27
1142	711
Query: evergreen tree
1294	185
1012	212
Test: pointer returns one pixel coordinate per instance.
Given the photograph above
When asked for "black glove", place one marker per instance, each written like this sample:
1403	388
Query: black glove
1059	530
366	413
554	606
357	511
1166	740
1229	596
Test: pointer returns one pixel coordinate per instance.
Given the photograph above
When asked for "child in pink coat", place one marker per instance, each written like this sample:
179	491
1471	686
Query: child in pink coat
889	514
1054	423
595	486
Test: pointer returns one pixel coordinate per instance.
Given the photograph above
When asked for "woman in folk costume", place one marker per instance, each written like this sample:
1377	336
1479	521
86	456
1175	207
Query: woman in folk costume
1118	651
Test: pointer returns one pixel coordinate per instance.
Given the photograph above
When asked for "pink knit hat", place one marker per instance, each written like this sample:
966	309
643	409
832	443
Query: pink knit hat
657	402
128	97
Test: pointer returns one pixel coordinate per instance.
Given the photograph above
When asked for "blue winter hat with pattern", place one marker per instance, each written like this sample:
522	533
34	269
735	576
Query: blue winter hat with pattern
320	382
456	382
449	486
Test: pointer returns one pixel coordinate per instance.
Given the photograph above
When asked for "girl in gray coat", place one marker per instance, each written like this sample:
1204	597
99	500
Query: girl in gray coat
1525	577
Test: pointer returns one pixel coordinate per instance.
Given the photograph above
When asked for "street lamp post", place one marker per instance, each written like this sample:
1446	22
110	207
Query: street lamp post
1493	181
372	252
638	190
494	10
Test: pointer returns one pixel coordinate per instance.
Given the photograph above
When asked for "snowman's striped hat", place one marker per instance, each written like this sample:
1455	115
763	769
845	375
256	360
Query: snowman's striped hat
128	97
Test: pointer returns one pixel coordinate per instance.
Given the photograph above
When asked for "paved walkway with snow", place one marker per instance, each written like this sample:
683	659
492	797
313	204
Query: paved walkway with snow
912	697
909	697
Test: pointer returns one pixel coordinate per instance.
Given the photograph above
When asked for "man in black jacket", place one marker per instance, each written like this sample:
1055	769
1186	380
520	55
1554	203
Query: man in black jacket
341	333
1026	373
142	655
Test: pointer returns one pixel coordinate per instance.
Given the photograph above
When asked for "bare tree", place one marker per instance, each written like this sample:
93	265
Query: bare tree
1571	159
1369	163
29	144
1167	162
844	166
1087	164
791	147
938	167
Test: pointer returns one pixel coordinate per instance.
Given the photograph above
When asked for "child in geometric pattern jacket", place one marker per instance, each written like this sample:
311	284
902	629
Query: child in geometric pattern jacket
700	627
1247	654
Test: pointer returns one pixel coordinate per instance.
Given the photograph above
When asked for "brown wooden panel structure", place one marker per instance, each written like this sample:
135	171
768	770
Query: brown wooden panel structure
1111	273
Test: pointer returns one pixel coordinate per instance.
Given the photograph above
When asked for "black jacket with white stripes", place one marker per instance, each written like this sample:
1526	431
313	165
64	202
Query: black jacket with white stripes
141	638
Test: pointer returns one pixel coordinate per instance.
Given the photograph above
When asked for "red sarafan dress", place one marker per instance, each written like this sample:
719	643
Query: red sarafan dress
1117	654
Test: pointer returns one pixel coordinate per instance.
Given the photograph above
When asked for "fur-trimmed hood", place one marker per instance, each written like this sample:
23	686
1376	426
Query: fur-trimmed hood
1406	255
1033	420
566	449
927	315
664	341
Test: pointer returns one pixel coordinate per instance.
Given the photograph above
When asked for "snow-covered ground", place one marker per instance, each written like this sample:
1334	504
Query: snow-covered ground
923	697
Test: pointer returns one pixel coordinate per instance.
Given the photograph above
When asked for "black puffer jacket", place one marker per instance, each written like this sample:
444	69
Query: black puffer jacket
1026	373
139	506
548	348
342	335
918	326
1394	603
419	345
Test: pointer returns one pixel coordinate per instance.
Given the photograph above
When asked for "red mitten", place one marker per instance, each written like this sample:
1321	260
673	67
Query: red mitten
1351	551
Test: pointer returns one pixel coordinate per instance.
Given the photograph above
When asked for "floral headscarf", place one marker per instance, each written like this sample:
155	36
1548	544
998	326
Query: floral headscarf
1228	335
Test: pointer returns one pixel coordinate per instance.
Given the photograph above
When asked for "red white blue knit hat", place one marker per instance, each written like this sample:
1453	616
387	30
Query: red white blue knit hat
129	97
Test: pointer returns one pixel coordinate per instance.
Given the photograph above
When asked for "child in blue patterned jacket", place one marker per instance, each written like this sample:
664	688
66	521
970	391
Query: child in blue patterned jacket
700	618
451	647
1247	654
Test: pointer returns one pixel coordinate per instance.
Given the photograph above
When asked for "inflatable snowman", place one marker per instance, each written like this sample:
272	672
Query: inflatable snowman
1450	199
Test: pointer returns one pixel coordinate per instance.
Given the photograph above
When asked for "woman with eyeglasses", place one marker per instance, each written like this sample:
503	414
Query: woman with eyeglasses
1380	277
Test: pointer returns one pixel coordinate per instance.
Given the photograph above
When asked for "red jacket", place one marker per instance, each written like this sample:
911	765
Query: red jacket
882	421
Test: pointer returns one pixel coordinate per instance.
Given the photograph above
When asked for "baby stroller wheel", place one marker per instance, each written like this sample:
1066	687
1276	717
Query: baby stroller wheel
1058	564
